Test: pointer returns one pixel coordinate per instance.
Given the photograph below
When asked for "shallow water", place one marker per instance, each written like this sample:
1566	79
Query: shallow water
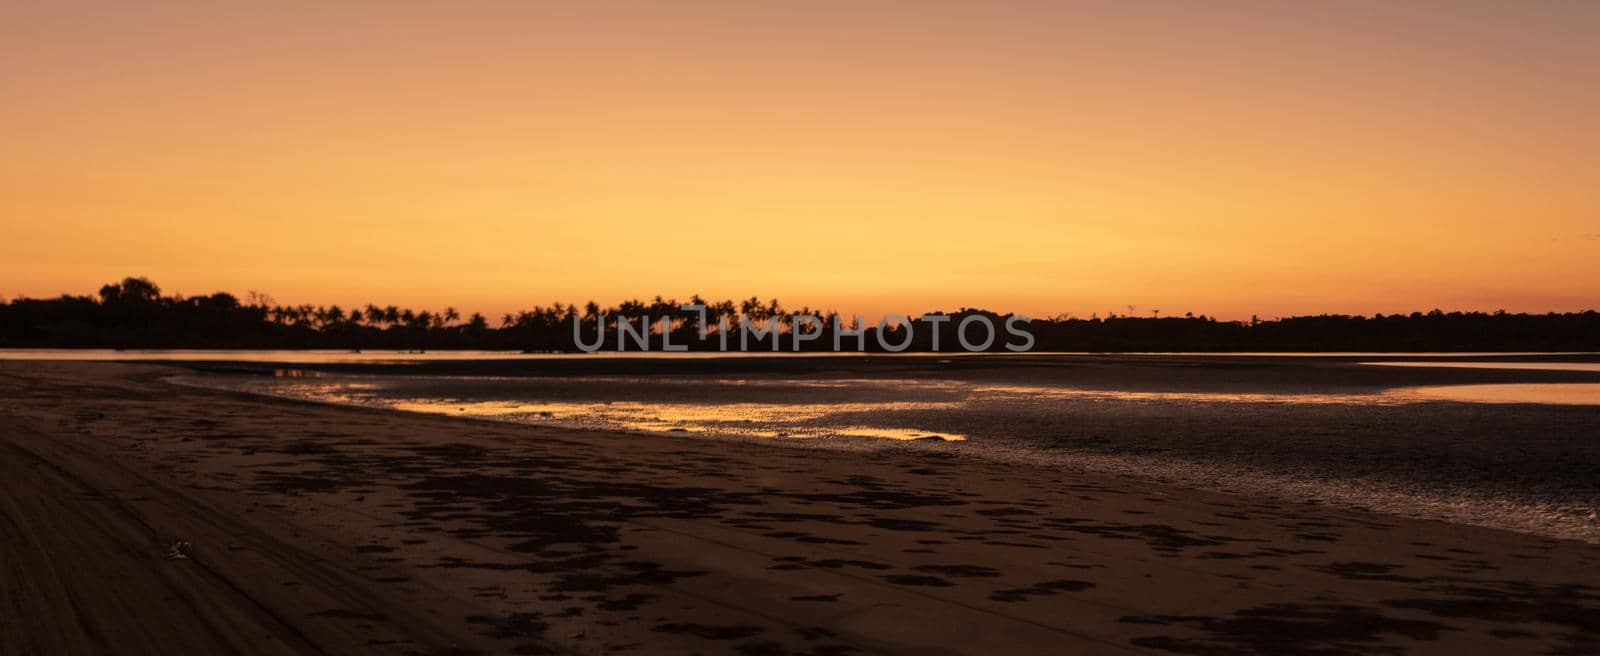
805	408
345	356
868	409
1525	467
1539	393
1499	364
1550	393
311	356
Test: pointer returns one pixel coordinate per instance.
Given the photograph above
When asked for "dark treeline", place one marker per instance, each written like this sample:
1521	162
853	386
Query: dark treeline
134	314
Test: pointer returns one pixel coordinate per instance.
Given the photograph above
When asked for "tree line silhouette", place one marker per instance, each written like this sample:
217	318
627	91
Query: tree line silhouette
134	314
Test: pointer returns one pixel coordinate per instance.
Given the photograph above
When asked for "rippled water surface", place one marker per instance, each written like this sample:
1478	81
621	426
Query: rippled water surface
1499	461
1550	393
813	408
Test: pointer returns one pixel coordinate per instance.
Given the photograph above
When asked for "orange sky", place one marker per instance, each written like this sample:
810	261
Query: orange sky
1036	157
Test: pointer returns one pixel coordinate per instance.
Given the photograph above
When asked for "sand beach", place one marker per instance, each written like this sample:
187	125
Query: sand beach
141	516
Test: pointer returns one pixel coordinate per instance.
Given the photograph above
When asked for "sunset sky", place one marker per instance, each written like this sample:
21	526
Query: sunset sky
1037	157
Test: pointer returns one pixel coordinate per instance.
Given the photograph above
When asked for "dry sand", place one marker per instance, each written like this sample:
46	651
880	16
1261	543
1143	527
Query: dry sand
319	529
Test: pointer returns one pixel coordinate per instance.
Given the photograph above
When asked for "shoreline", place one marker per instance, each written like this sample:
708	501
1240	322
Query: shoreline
1486	503
407	531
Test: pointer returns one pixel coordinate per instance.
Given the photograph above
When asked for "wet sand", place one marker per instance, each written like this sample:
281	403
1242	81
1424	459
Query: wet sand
1323	429
320	529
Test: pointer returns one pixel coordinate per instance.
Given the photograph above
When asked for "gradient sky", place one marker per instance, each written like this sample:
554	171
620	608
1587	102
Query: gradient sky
1038	157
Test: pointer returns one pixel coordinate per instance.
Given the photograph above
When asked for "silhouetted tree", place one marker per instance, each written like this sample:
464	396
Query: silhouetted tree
133	313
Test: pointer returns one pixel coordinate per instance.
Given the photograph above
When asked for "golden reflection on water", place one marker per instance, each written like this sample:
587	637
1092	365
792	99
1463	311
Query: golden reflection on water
1021	392
1513	366
898	434
1546	393
884	417
772	420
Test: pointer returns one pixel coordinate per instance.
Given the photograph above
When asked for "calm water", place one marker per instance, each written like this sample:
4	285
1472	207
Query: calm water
1510	464
1507	365
1549	393
307	356
314	356
802	408
805	408
1564	394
